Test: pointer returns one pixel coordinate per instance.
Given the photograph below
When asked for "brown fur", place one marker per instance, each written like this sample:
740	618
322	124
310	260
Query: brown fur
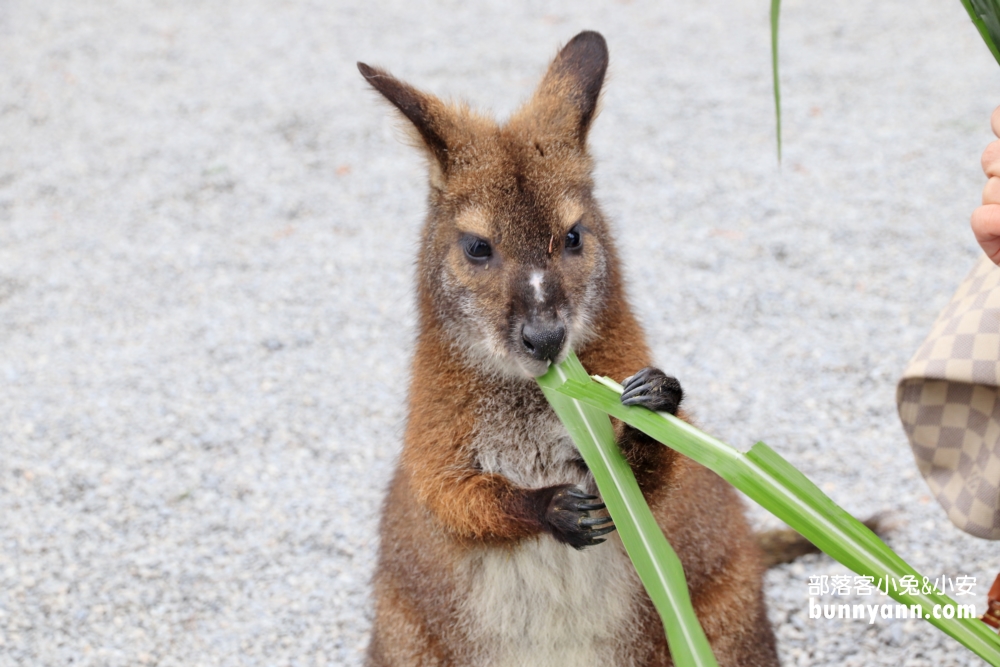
468	514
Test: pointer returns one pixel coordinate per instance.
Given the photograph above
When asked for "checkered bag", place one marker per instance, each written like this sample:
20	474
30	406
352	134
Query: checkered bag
949	403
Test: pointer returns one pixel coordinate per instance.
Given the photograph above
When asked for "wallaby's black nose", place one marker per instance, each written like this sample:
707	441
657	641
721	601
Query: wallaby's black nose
543	340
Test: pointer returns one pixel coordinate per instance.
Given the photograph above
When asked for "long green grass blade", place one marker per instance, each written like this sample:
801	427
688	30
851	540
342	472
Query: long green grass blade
985	14
775	12
777	486
655	561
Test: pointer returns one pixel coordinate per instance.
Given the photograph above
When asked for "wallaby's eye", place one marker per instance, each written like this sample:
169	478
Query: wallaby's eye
574	238
476	249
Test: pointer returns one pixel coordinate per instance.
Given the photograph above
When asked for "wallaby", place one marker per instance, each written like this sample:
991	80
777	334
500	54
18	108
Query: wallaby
495	549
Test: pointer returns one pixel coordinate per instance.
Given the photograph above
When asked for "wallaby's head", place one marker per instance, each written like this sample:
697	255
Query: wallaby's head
516	262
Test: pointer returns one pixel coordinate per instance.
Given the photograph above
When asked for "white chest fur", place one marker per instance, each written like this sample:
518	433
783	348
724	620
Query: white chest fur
544	604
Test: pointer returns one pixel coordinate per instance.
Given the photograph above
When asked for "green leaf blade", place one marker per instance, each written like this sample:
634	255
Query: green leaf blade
985	15
775	13
776	485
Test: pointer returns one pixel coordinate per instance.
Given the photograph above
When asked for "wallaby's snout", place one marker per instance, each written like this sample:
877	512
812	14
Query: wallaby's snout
541	330
543	338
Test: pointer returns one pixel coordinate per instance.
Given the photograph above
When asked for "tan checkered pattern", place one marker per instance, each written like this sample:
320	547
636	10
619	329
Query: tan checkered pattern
949	403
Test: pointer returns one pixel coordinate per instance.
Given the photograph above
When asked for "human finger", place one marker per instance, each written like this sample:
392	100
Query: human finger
986	227
991	160
991	191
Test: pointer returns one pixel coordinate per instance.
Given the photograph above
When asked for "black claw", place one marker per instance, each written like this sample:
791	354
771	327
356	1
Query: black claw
587	507
644	401
601	531
633	391
576	493
637	400
638	377
594	521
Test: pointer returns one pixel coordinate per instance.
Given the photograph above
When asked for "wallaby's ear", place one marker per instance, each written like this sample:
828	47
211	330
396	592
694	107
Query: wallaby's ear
566	100
427	113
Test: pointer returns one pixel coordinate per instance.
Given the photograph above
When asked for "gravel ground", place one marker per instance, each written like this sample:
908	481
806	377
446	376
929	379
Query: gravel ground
207	233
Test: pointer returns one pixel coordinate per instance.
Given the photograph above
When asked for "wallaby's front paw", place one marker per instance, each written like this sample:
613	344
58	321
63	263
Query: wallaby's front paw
653	389
567	517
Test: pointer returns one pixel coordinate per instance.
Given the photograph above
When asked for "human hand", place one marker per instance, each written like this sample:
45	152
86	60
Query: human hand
986	218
